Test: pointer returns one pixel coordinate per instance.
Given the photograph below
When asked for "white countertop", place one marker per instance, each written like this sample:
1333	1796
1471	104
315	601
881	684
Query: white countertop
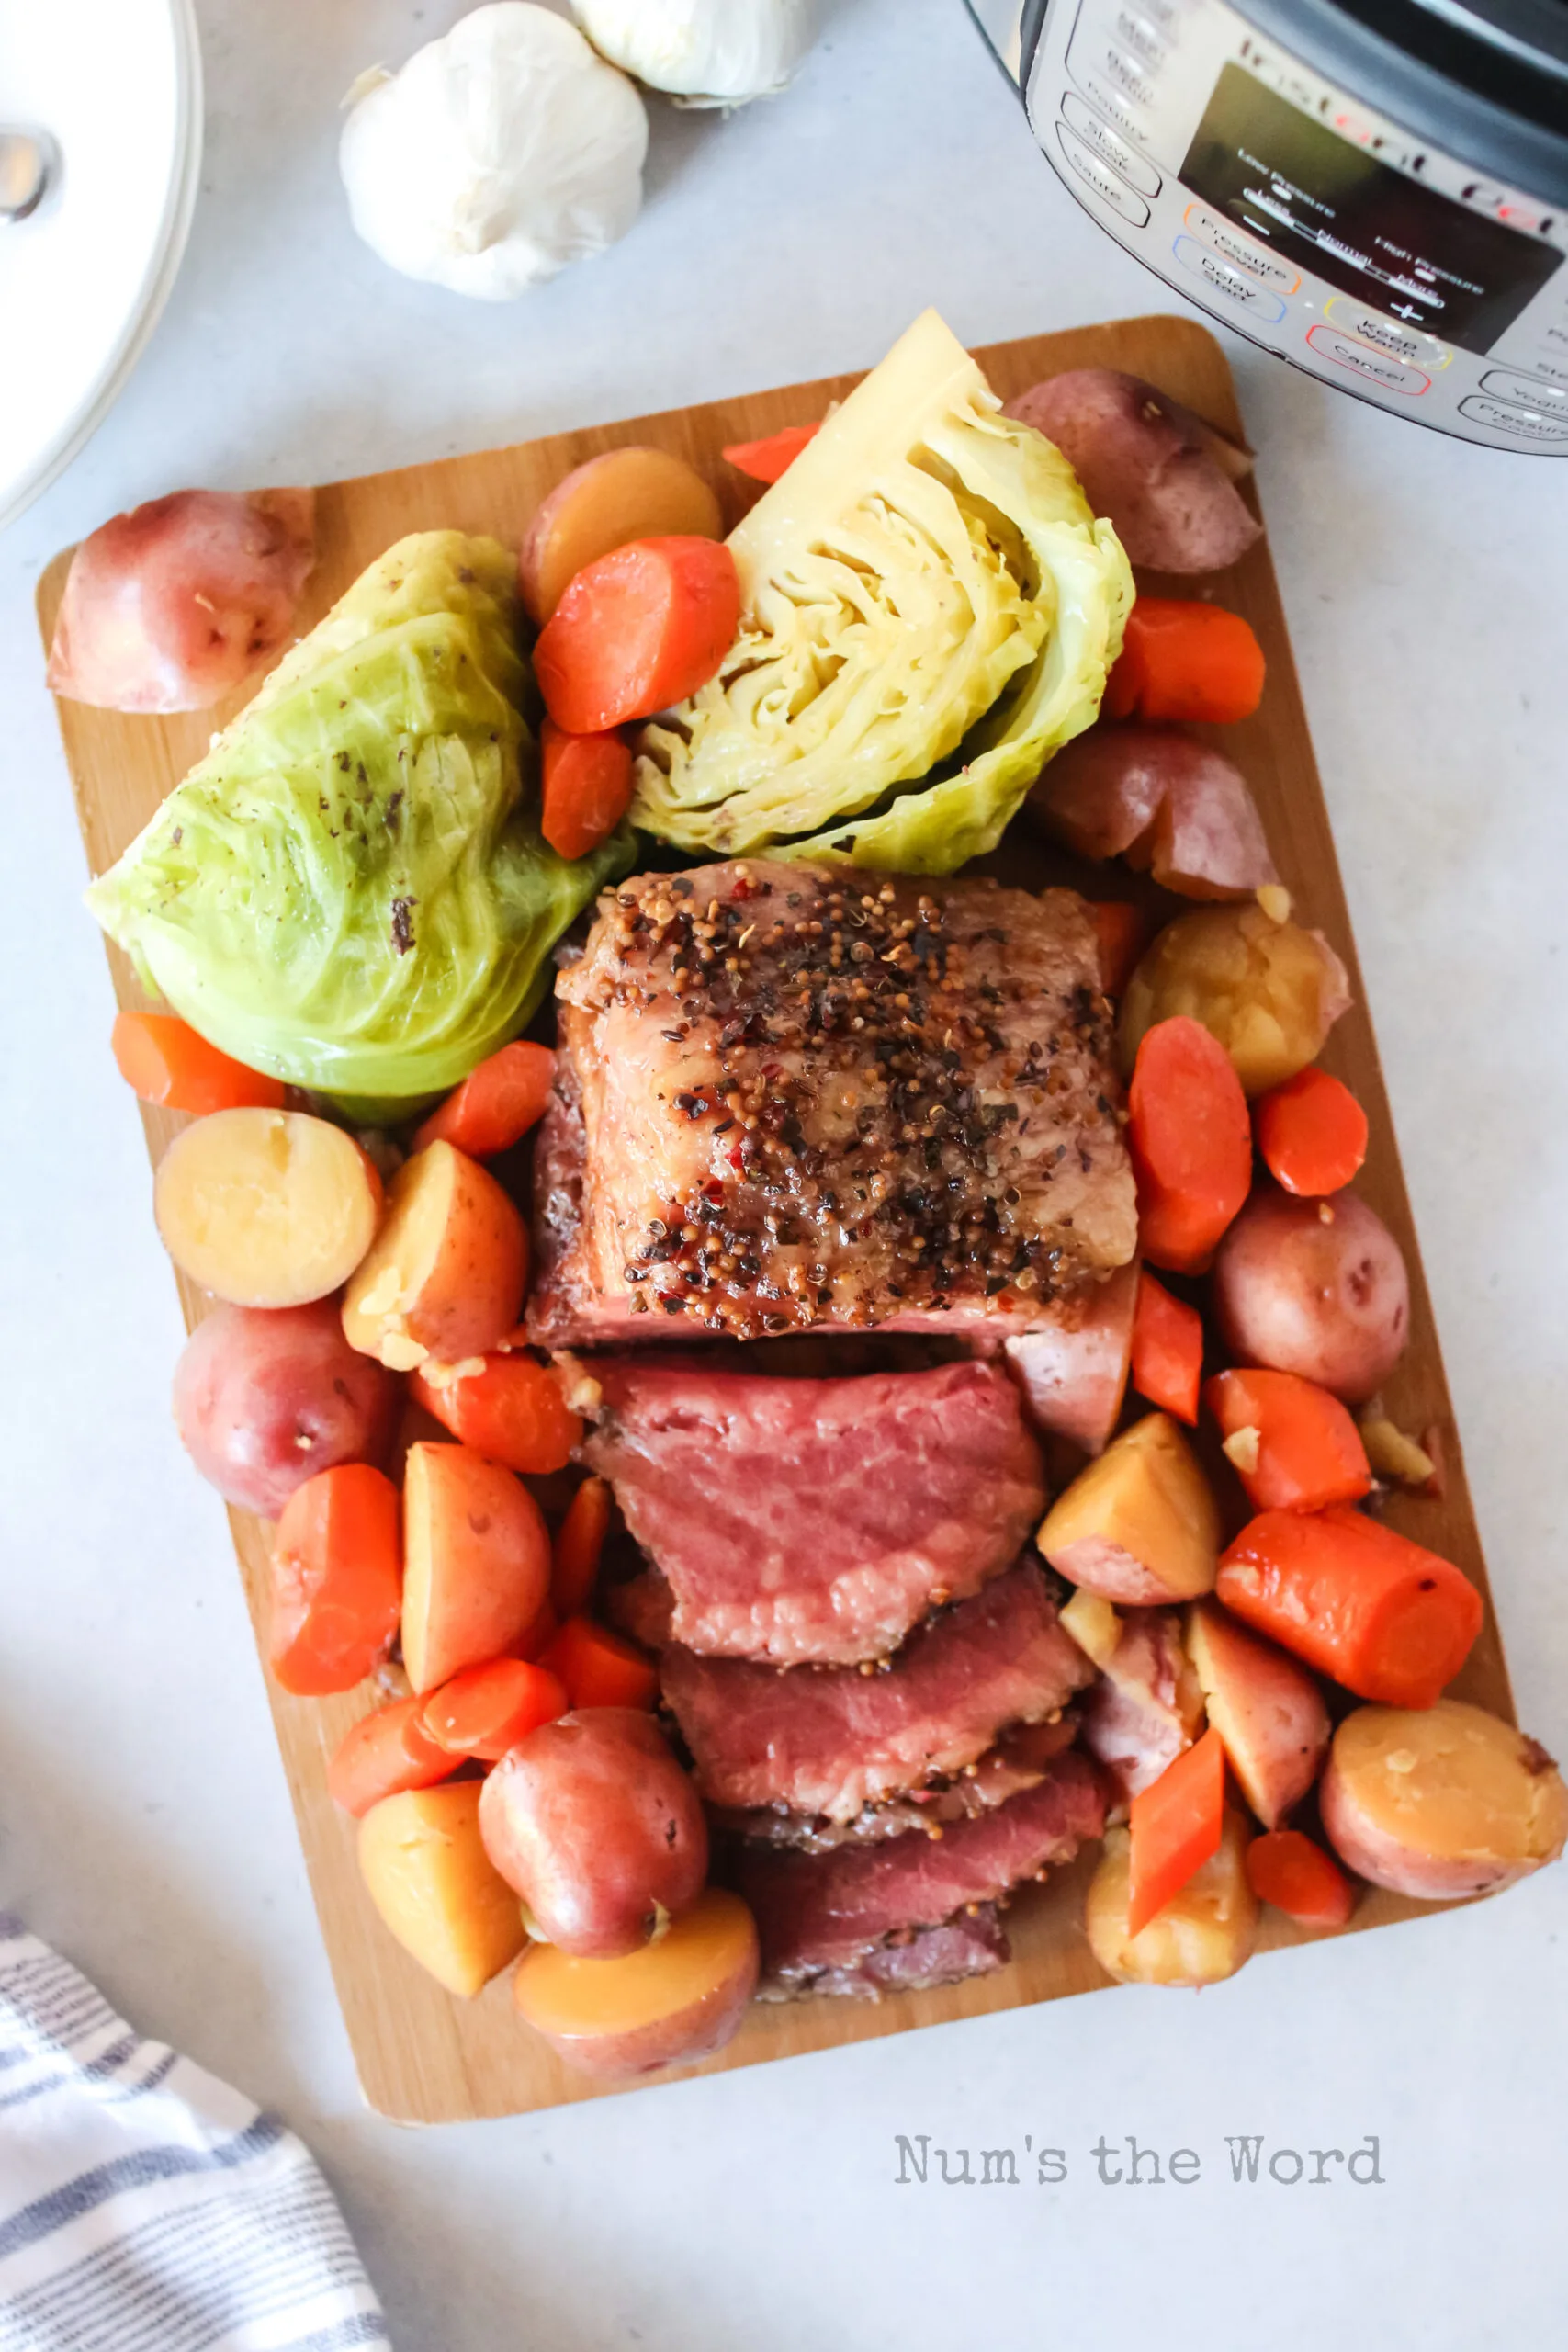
144	1825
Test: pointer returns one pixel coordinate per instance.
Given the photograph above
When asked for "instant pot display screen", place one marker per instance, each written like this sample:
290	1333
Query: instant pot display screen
1345	217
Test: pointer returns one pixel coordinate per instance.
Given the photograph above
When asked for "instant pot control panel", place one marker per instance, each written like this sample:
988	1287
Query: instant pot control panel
1310	222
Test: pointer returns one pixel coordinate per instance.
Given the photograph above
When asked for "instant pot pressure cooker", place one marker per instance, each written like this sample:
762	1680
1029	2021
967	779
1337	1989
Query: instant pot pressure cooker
1378	193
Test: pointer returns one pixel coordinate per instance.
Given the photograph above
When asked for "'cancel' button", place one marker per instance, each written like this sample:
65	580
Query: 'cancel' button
1377	366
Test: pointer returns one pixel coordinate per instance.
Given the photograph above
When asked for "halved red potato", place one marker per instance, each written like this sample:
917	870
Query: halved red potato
1074	1374
447	1274
266	1208
1164	802
1442	1803
1203	1935
1139	1525
1163	477
1268	989
424	1864
265	1398
626	494
1147	1706
1324	1297
1267	1709
673	2002
476	1562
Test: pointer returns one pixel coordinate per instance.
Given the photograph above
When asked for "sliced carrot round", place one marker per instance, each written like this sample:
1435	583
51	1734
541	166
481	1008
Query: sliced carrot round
164	1060
587	788
1287	1869
1303	1451
1190	1142
1312	1133
486	1710
638	629
497	1102
598	1668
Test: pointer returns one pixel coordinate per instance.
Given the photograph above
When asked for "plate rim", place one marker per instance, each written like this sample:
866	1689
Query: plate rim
158	280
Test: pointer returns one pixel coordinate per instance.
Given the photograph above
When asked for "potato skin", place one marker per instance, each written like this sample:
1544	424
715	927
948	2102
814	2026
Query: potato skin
265	1397
607	2019
1145	462
445	1274
1202	1936
429	1877
630	493
1073	1374
1270	991
598	1828
1330	1302
1162	800
1441	1804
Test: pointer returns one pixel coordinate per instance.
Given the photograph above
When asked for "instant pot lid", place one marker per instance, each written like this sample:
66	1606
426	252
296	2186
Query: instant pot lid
1485	80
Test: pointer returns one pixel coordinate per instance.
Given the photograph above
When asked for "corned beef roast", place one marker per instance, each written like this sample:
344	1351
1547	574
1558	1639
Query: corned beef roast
814	1519
831	1740
864	1918
790	1095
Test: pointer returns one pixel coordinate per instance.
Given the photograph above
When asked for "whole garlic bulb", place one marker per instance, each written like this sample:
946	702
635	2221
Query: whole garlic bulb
498	154
705	53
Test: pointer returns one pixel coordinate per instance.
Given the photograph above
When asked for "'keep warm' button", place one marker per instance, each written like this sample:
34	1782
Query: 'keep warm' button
1377	366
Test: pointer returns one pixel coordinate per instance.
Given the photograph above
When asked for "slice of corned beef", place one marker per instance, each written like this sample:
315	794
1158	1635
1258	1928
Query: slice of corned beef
831	1739
819	1911
969	1946
1019	1760
814	1519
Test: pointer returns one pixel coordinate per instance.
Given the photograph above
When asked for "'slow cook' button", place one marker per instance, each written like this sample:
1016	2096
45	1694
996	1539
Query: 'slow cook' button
1217	233
1102	178
1516	421
1392	374
1224	280
1134	167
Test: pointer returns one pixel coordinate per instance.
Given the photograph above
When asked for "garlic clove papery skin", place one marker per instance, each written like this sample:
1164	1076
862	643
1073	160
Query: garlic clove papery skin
702	53
498	154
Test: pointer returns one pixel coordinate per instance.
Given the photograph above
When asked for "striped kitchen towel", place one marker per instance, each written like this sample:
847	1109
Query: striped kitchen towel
145	2207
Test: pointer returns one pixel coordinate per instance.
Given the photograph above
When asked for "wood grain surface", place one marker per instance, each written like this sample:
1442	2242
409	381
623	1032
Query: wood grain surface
423	2056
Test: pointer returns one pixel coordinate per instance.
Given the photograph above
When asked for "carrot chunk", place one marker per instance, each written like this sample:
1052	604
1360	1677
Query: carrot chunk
1291	1870
496	1103
598	1669
511	1409
1385	1617
1167	1350
1305	1450
383	1755
1181	660
336	1580
1190	1142
1176	1824
164	1060
1312	1133
579	1541
486	1710
766	459
1122	933
637	629
588	788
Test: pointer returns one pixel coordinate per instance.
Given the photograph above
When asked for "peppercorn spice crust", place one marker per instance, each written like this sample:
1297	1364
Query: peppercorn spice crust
791	1096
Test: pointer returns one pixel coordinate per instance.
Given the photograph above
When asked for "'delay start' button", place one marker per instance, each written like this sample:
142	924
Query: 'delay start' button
1421	351
1222	279
1391	375
1102	178
1216	232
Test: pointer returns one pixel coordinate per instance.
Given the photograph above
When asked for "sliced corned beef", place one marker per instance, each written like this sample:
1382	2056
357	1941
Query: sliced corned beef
802	1520
833	1740
972	1945
822	1911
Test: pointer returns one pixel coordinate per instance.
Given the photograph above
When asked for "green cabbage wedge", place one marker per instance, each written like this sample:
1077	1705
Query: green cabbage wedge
929	611
350	890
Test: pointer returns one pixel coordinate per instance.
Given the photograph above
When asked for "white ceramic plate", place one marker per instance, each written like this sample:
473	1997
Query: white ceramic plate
117	85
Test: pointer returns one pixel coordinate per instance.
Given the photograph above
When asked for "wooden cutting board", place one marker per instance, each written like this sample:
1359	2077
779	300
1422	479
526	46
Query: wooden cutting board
423	2056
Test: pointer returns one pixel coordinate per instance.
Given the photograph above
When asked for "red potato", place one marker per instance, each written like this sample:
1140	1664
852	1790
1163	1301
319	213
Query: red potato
597	1828
266	1208
633	493
264	1398
1147	1706
1162	476
1267	1711
429	1877
1329	1301
1203	1935
447	1274
1265	988
672	2003
476	1562
1140	1525
1444	1802
1165	803
1073	1375
173	606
